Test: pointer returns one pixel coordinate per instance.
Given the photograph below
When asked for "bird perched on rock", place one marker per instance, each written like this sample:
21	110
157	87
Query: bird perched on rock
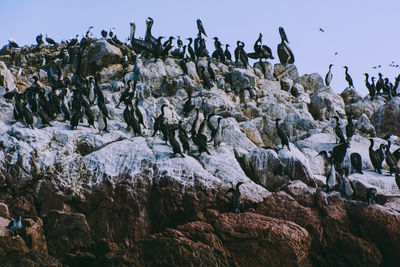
373	156
282	135
390	159
348	77
350	128
236	197
339	131
15	225
356	162
329	76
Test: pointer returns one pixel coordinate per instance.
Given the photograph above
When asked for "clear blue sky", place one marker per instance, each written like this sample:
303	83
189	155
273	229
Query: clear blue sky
364	33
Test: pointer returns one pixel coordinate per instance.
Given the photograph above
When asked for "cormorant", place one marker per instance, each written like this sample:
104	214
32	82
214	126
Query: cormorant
210	70
347	76
182	64
379	84
39	39
190	49
176	147
102	107
28	117
396	154
285	54
331	177
183	137
227	54
380	152
15	225
138	112
282	135
339	131
376	162
104	33
356	162
135	123
350	128
159	121
102	123
370	87
240	54
236	197
204	78
12	43
219	52
329	75
127	115
76	117
370	193
348	189
188	106
167	47
43	117
390	159
338	153
218	134
200	27
125	94
50	41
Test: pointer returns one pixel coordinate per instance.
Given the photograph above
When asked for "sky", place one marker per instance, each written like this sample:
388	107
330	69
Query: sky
363	33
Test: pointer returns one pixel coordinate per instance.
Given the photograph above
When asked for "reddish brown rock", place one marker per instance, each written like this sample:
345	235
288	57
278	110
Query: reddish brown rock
33	234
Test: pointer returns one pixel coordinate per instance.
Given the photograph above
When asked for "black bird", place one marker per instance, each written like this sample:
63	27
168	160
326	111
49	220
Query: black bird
240	54
200	27
397	178
338	153
139	113
139	45
347	76
260	51
195	124
12	43
236	197
190	49
76	117
227	54
211	126
104	33
350	128
375	160
50	41
282	135
188	106
356	162
200	140
370	194
218	134
219	52
370	87
380	152
379	84
159	121
285	54
210	70
396	154
321	30
90	117
390	159
127	114
43	117
183	137
176	147
339	131
125	94
182	64
329	75
134	123
39	39
28	117
167	46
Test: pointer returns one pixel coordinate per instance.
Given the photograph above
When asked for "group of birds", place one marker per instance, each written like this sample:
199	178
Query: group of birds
382	87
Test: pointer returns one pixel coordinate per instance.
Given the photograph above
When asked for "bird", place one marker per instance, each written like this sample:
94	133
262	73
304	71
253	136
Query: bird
76	117
190	49
356	162
183	137
397	178
15	225
104	33
329	75
347	76
285	54
159	120
376	163
12	43
50	41
182	64
236	197
321	30
371	194
348	189
200	27
370	87
390	159
282	135
188	106
102	122
227	54
350	128
339	131
39	39
139	113
176	147
27	115
379	84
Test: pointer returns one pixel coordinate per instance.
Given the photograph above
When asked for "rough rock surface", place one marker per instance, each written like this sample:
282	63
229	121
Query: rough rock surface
114	199
6	78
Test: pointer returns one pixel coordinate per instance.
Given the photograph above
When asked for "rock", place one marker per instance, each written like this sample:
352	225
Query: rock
11	245
263	166
350	96
242	79
297	89
98	55
387	119
287	70
4	211
268	73
364	126
6	78
312	82
34	235
3	224
251	132
301	192
325	104
366	106
84	147
286	84
277	242
110	73
73	229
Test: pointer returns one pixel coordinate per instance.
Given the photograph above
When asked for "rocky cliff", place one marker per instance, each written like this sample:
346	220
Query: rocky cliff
113	199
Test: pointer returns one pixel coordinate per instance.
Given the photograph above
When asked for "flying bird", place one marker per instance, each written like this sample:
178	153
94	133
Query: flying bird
321	30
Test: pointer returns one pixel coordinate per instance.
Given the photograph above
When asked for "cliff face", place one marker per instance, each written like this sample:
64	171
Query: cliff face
113	199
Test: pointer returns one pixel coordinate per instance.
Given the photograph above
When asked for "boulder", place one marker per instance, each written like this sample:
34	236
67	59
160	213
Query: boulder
312	82
98	55
386	119
325	104
6	78
366	106
4	210
268	69
286	70
364	126
350	96
286	84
